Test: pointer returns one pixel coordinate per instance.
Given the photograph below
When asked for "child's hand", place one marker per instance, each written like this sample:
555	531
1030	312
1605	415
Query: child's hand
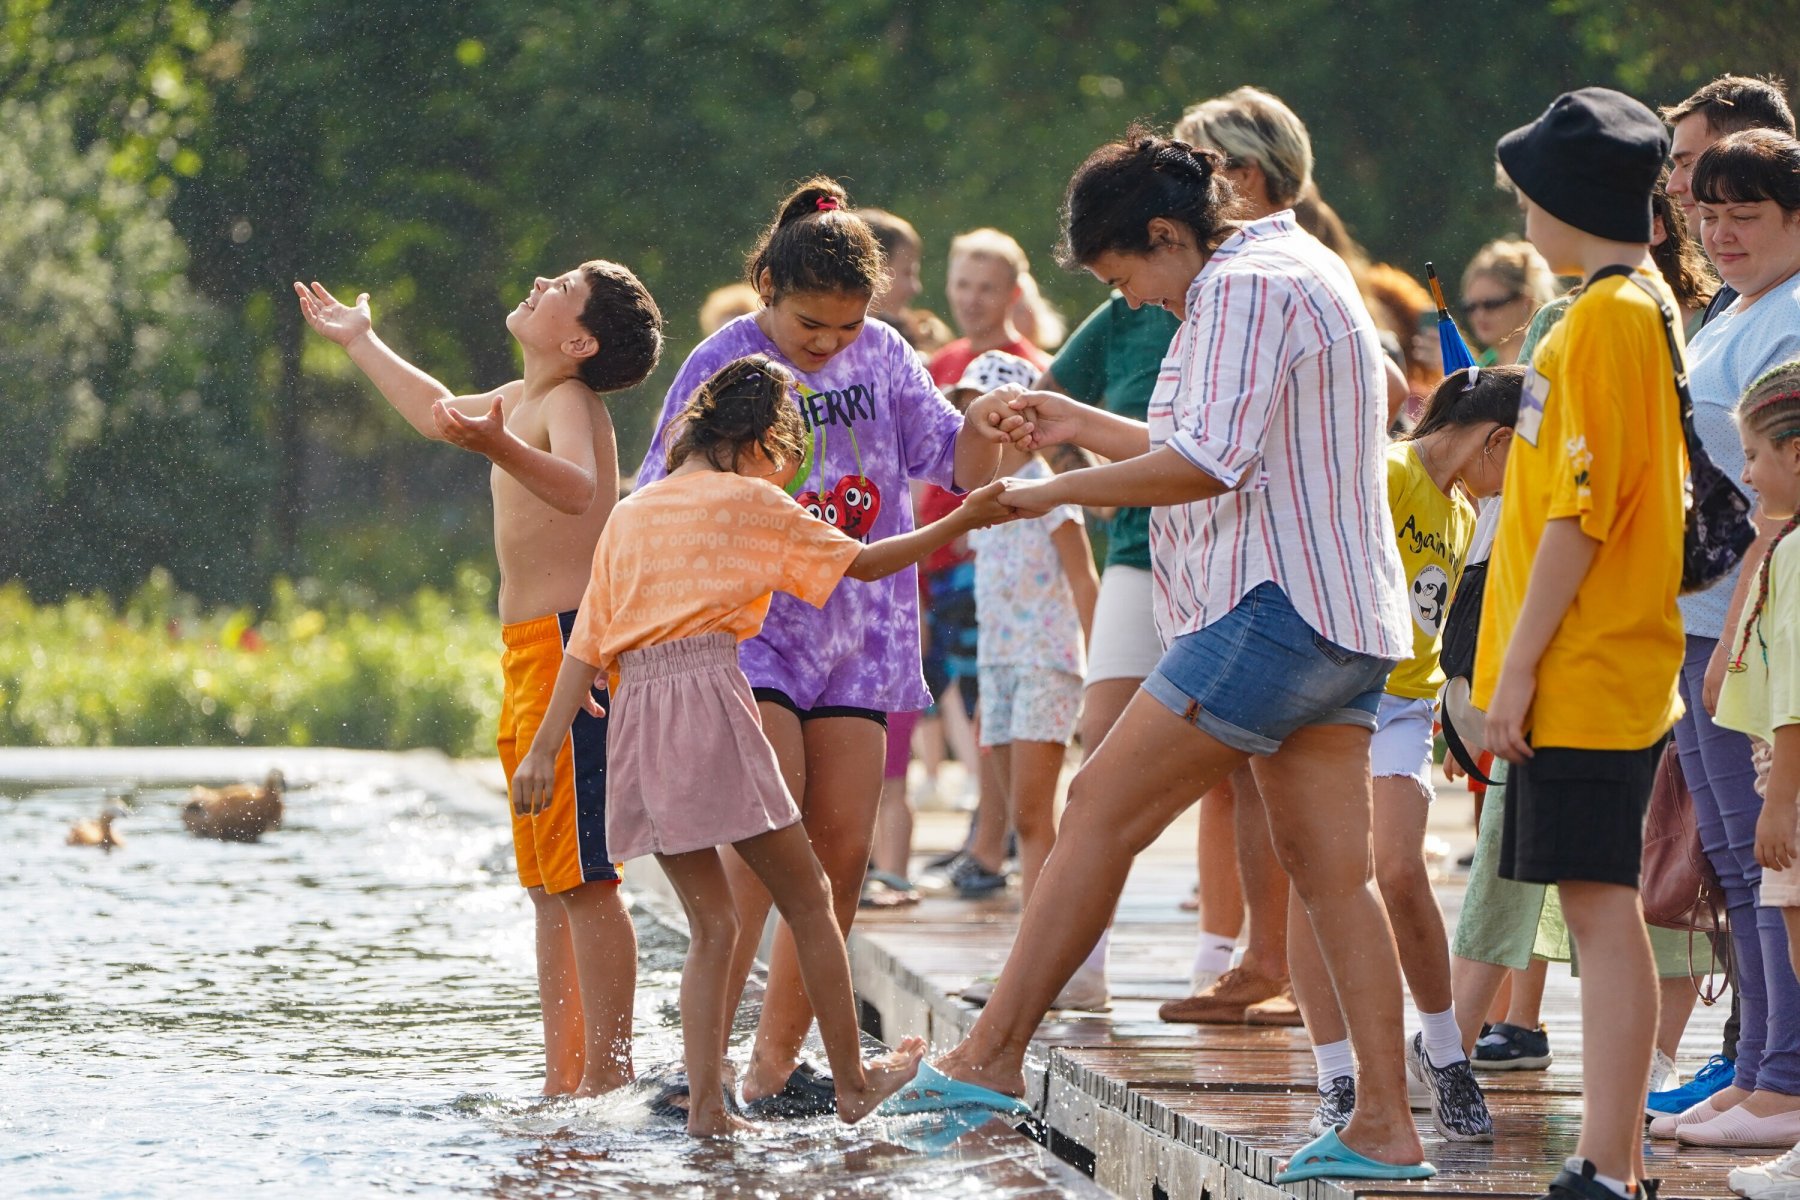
1508	713
331	317
1051	417
483	435
1776	836
994	418
984	506
533	782
1029	497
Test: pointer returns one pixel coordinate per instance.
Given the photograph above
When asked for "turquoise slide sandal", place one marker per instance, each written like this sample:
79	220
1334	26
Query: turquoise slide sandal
1326	1157
933	1091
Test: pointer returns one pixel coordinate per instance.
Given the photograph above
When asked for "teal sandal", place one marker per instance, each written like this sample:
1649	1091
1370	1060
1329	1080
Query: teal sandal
1326	1157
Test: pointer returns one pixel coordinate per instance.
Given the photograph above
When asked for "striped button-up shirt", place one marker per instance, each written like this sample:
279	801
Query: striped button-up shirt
1274	385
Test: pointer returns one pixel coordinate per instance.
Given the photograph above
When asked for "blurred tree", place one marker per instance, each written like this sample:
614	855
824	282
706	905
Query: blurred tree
126	447
1688	44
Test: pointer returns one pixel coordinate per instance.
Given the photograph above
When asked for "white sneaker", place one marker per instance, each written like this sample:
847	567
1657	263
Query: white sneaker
1778	1179
1663	1074
1203	980
1085	992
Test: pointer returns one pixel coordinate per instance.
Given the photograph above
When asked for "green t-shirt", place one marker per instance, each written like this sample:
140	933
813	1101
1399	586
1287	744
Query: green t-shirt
1112	361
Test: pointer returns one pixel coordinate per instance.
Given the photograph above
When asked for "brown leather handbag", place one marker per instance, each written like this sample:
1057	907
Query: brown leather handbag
1679	887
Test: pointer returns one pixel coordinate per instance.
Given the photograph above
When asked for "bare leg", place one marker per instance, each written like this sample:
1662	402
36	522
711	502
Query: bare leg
782	728
699	880
1265	883
1142	776
1311	980
1678	997
1474	984
958	725
559	994
1618	1022
843	787
1401	809
785	862
894	829
1525	1004
605	945
1317	793
1032	771
1221	891
987	841
1501	1004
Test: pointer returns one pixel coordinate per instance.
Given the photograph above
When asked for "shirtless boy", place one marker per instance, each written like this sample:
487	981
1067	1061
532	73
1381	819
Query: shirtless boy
591	330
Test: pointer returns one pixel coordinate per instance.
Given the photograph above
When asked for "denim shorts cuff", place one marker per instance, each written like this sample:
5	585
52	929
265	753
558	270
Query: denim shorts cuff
1362	718
1188	709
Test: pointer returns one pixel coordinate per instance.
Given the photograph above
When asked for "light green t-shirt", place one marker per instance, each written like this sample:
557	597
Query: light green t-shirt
1765	695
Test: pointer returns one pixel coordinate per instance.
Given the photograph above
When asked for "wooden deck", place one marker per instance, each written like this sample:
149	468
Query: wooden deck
1162	1111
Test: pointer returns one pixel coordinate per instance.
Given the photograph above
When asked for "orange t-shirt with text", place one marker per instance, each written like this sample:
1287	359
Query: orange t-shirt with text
702	553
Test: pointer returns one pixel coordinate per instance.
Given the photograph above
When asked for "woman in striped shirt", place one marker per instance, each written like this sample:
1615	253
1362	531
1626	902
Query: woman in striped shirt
1279	598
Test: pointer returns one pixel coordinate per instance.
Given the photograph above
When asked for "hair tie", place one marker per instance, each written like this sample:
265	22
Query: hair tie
1474	371
826	203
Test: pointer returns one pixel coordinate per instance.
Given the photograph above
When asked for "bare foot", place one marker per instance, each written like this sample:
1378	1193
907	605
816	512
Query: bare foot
763	1079
715	1120
962	1064
601	1082
1397	1143
882	1077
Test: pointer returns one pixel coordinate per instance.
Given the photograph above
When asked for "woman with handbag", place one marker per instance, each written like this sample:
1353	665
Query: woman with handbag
1748	189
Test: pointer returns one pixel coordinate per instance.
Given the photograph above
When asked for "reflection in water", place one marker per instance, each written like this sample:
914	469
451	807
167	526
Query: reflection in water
349	1007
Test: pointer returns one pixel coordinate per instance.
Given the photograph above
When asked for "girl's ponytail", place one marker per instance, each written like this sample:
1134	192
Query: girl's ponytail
816	244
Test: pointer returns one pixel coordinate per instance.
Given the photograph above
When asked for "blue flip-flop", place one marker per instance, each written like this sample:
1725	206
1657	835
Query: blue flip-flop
933	1091
936	1132
1326	1157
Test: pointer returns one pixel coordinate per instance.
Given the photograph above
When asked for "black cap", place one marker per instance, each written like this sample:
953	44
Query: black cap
1592	160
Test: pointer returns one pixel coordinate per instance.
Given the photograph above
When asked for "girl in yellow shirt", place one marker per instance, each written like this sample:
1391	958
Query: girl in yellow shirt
1457	453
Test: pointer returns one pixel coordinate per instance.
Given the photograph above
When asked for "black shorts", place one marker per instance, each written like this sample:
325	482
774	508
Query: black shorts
777	696
1577	815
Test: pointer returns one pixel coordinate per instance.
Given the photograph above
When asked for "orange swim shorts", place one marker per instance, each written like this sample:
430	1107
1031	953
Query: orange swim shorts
564	846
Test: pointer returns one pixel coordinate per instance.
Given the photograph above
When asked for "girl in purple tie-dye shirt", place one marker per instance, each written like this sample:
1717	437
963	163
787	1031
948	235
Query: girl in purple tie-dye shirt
826	678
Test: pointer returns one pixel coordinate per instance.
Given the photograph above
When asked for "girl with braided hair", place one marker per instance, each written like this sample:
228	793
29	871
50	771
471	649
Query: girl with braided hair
1761	693
684	572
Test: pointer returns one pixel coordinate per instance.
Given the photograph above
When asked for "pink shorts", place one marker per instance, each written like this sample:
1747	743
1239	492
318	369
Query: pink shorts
900	728
690	766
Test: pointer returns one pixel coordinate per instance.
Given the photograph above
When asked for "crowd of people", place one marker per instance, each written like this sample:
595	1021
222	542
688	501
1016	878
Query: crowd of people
1319	547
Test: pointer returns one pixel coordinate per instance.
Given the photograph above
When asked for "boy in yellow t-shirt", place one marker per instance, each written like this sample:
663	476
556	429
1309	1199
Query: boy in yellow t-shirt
1581	639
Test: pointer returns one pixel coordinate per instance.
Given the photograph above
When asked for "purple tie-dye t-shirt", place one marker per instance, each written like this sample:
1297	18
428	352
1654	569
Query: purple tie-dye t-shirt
877	421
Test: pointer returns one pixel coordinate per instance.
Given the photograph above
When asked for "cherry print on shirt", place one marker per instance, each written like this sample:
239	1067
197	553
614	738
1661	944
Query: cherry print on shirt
858	504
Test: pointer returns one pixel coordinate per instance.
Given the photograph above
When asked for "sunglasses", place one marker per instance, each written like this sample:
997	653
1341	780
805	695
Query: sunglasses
1471	307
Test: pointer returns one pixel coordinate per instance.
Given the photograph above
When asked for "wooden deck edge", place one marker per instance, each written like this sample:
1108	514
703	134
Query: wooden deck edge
1140	1149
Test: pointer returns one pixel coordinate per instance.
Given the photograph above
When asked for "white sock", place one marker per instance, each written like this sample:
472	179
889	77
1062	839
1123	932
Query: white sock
1618	1186
1334	1061
1443	1040
1096	959
1212	952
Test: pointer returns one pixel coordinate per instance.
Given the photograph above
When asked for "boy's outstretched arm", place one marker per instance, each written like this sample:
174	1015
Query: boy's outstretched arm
534	780
565	475
980	508
411	391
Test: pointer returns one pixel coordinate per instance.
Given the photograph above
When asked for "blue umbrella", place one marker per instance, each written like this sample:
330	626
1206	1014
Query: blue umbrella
1455	351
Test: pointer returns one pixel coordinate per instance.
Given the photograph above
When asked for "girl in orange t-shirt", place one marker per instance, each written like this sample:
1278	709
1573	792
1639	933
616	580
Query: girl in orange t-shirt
683	572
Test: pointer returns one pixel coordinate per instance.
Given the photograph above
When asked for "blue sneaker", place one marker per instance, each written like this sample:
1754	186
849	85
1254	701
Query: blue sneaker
1715	1076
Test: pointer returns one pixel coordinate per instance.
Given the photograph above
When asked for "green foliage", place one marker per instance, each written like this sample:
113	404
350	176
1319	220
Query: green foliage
439	155
123	447
307	671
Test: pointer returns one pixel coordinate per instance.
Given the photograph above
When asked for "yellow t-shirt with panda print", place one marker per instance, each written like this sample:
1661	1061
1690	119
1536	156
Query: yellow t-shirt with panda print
1434	529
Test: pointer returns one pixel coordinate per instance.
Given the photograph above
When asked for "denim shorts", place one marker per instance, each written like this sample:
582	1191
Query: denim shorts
1261	672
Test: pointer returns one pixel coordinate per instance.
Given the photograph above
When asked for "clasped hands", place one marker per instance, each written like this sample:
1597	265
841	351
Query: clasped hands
1028	421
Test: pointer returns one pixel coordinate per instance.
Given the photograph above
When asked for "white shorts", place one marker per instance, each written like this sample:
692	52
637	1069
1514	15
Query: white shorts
1124	643
1403	743
1028	704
